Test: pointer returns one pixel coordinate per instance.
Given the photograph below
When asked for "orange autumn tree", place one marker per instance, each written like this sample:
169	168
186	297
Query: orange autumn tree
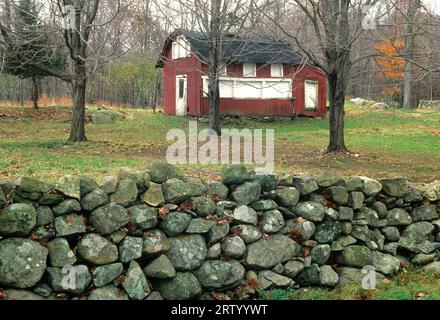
391	63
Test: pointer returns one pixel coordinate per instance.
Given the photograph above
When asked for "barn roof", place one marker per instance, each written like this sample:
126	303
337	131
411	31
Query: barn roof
239	49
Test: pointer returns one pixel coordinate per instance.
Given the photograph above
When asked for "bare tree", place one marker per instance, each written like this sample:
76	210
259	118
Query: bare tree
86	17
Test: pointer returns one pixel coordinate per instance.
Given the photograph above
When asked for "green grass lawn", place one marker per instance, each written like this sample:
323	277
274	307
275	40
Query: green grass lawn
382	143
408	285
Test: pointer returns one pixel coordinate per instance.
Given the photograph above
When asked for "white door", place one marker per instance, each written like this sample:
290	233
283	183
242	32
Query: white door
181	95
311	95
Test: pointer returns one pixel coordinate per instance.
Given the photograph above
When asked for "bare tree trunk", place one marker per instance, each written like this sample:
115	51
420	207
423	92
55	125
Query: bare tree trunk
35	94
77	127
214	66
413	6
337	103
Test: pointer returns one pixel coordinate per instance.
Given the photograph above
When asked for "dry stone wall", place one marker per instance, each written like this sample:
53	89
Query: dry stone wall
156	234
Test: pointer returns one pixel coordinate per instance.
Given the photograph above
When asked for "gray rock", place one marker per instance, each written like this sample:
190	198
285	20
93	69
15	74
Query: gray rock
305	184
423	259
328	277
175	191
385	263
245	214
425	213
433	268
217	189
70	186
380	208
142	217
431	191
309	276
160	268
87	184
43	289
264	205
104	275
234	175
247	193
415	238
50	199
391	234
18	219
331	214
312	211
338	194
265	254
327	231
214	251
394	187
135	283
31	185
346	241
69	225
175	223
196	186
329	179
269	182
155	243
109	184
391	248
356	256
161	172
154	296
199	226
109	218
300	229
184	286
346	228
97	250
370	216
247	232
94	199
234	247
66	207
346	214
109	292
320	254
153	196
21	295
398	217
130	249
370	187
287	197
204	207
102	117
293	268
348	276
45	216
70	279
141	178
220	275
268	280
356	200
126	193
187	252
353	184
22	262
273	221
60	254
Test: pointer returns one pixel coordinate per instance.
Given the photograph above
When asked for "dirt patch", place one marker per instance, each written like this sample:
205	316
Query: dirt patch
37	114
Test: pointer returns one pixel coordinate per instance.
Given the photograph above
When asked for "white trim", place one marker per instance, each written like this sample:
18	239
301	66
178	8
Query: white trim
180	48
249	74
261	84
314	83
272	71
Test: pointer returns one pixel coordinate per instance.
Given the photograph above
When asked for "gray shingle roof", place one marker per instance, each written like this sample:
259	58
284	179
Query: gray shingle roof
240	50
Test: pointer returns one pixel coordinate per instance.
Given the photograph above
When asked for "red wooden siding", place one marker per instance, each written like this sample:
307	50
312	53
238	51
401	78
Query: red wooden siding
198	105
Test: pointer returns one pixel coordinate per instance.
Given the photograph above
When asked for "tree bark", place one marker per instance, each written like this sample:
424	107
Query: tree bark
77	126
214	67
35	94
336	121
413	6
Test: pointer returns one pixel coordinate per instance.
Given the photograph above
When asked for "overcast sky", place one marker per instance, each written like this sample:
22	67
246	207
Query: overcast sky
434	4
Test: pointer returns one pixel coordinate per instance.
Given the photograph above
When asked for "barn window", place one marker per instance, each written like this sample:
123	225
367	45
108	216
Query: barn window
276	70
249	70
181	48
181	88
311	95
224	70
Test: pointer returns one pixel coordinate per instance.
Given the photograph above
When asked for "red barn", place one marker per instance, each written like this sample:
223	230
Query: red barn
258	77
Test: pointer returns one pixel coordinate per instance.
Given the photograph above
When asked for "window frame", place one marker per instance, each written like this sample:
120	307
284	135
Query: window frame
254	70
316	83
281	70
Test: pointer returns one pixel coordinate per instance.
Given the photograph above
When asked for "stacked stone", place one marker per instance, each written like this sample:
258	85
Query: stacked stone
157	234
